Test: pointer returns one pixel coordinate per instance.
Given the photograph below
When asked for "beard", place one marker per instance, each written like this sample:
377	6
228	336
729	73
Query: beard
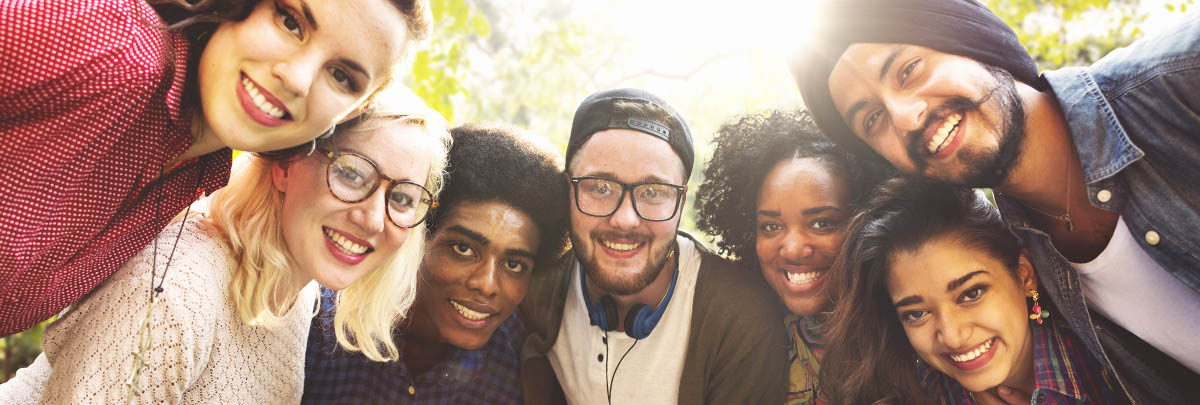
617	284
985	168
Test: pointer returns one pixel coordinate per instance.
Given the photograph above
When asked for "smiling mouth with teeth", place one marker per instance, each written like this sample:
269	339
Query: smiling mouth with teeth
944	134
802	278
345	245
468	312
622	247
261	101
974	354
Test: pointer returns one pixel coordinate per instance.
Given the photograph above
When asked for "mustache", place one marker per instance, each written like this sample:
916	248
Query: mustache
610	235
916	138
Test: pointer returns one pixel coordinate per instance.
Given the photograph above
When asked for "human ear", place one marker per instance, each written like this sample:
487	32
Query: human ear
279	176
1025	272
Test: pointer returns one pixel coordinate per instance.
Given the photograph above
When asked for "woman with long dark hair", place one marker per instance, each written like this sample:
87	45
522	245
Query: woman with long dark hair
937	302
117	114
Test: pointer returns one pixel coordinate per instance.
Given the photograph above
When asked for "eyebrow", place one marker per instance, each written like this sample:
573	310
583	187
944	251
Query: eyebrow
818	210
476	236
352	65
953	285
909	300
648	177
887	62
810	211
887	65
308	15
854	111
520	252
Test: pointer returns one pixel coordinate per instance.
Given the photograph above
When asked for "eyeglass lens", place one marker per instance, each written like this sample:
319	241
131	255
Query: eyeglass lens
654	202
352	179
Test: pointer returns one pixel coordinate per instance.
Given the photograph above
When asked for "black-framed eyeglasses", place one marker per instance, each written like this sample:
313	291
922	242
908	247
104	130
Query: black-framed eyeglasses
652	201
352	178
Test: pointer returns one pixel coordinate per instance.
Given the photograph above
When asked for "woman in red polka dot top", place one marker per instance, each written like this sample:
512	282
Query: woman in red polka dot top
110	125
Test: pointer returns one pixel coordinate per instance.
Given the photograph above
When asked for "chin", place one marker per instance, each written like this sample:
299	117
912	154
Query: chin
470	341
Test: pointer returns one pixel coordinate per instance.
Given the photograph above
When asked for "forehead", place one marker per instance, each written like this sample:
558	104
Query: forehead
505	226
628	155
371	33
401	150
936	263
803	183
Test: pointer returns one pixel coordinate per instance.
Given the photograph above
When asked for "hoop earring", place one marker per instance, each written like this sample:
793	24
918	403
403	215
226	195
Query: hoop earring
312	147
328	133
1037	313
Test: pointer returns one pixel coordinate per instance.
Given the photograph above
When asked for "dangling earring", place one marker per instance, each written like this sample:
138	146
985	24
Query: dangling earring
1037	314
312	147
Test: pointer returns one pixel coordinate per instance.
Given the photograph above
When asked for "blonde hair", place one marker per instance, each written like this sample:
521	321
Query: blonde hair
248	212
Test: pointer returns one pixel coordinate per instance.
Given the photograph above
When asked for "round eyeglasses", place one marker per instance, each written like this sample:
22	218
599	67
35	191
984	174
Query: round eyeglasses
652	201
352	178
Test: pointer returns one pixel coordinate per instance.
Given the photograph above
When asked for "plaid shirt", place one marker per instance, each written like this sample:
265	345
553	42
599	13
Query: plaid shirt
488	375
1064	373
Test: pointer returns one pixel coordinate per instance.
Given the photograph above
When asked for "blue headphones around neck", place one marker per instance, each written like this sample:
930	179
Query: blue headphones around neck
639	321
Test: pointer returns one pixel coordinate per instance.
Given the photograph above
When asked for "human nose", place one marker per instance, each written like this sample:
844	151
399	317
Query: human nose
370	214
625	217
953	330
297	72
483	279
796	246
907	111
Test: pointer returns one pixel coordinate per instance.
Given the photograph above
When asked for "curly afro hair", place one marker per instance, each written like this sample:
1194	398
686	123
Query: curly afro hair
745	150
496	162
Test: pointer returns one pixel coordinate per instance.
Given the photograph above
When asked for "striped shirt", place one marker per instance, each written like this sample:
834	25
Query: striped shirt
484	376
1064	373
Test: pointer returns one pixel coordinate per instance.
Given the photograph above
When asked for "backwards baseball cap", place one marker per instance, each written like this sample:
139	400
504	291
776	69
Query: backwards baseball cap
959	27
596	113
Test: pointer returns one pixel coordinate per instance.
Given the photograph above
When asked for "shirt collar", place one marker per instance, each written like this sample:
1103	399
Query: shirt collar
1104	147
1055	369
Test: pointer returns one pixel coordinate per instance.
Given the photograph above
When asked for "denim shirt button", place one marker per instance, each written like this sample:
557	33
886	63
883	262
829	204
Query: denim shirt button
412	390
1103	196
1152	238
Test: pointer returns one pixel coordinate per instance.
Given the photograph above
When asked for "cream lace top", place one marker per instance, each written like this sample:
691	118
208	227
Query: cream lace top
201	351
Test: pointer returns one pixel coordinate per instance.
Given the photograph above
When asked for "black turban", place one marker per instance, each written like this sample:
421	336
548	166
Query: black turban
959	27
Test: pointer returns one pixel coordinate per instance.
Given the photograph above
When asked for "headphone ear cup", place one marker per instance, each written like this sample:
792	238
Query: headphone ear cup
634	320
607	313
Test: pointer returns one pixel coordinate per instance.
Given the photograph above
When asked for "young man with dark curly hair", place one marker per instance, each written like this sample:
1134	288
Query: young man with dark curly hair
1093	167
778	195
639	312
501	219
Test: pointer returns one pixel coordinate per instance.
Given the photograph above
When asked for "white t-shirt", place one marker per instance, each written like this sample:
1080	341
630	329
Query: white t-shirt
1128	287
650	372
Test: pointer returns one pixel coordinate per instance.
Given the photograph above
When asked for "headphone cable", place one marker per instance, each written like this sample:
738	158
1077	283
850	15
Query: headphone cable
608	385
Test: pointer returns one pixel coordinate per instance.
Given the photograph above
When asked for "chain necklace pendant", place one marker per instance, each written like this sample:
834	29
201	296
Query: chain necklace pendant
144	340
1070	225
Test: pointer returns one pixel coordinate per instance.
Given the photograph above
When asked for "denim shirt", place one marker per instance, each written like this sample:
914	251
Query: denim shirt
1134	117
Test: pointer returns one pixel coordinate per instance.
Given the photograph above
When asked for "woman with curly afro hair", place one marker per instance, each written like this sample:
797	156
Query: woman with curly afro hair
777	195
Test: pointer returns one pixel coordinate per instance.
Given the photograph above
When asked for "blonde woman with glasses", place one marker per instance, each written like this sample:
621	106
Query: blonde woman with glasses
218	308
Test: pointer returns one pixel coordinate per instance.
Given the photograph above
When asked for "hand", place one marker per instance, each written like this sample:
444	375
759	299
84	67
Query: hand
1013	397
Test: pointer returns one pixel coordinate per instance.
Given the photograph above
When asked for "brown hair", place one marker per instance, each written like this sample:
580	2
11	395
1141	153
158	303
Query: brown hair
869	358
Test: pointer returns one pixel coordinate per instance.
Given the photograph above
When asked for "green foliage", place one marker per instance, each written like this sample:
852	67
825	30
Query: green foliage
1065	32
439	70
19	350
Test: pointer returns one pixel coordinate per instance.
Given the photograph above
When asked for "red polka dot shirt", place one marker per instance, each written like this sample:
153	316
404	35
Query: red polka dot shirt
90	111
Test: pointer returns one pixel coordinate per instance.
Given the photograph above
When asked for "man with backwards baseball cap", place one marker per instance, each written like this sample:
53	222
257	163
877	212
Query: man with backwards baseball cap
640	312
1095	169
